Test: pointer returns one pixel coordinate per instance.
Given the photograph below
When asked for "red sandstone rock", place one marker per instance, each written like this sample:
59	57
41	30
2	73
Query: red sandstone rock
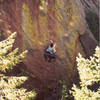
35	26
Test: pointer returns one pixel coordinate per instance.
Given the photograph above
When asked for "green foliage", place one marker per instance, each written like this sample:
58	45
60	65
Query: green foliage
9	60
64	92
89	71
65	95
17	94
9	84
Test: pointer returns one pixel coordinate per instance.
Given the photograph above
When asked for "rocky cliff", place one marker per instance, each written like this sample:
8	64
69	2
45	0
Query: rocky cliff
72	24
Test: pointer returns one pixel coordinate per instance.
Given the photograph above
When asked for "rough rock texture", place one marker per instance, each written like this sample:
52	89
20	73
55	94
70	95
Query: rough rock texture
64	21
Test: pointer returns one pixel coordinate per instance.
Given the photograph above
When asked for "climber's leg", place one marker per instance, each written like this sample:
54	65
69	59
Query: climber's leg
52	57
46	56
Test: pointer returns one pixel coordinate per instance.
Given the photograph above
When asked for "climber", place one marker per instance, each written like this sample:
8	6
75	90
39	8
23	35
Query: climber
50	52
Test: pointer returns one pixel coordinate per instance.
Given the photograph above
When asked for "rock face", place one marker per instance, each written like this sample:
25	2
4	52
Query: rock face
64	21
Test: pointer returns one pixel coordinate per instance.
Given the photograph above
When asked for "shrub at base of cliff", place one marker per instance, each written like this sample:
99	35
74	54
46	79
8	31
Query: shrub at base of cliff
9	84
89	71
65	95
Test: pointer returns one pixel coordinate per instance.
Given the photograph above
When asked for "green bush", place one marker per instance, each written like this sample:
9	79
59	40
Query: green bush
9	84
89	72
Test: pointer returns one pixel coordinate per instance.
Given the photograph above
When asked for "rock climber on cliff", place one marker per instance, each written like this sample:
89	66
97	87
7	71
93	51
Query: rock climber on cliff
50	52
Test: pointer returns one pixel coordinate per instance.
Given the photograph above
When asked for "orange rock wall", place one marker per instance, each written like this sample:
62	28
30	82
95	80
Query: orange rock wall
38	21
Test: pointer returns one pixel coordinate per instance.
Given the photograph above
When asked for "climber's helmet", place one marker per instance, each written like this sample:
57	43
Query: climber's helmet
51	41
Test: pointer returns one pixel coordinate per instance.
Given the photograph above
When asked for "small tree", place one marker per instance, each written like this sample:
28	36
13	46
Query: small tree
89	72
65	90
9	84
